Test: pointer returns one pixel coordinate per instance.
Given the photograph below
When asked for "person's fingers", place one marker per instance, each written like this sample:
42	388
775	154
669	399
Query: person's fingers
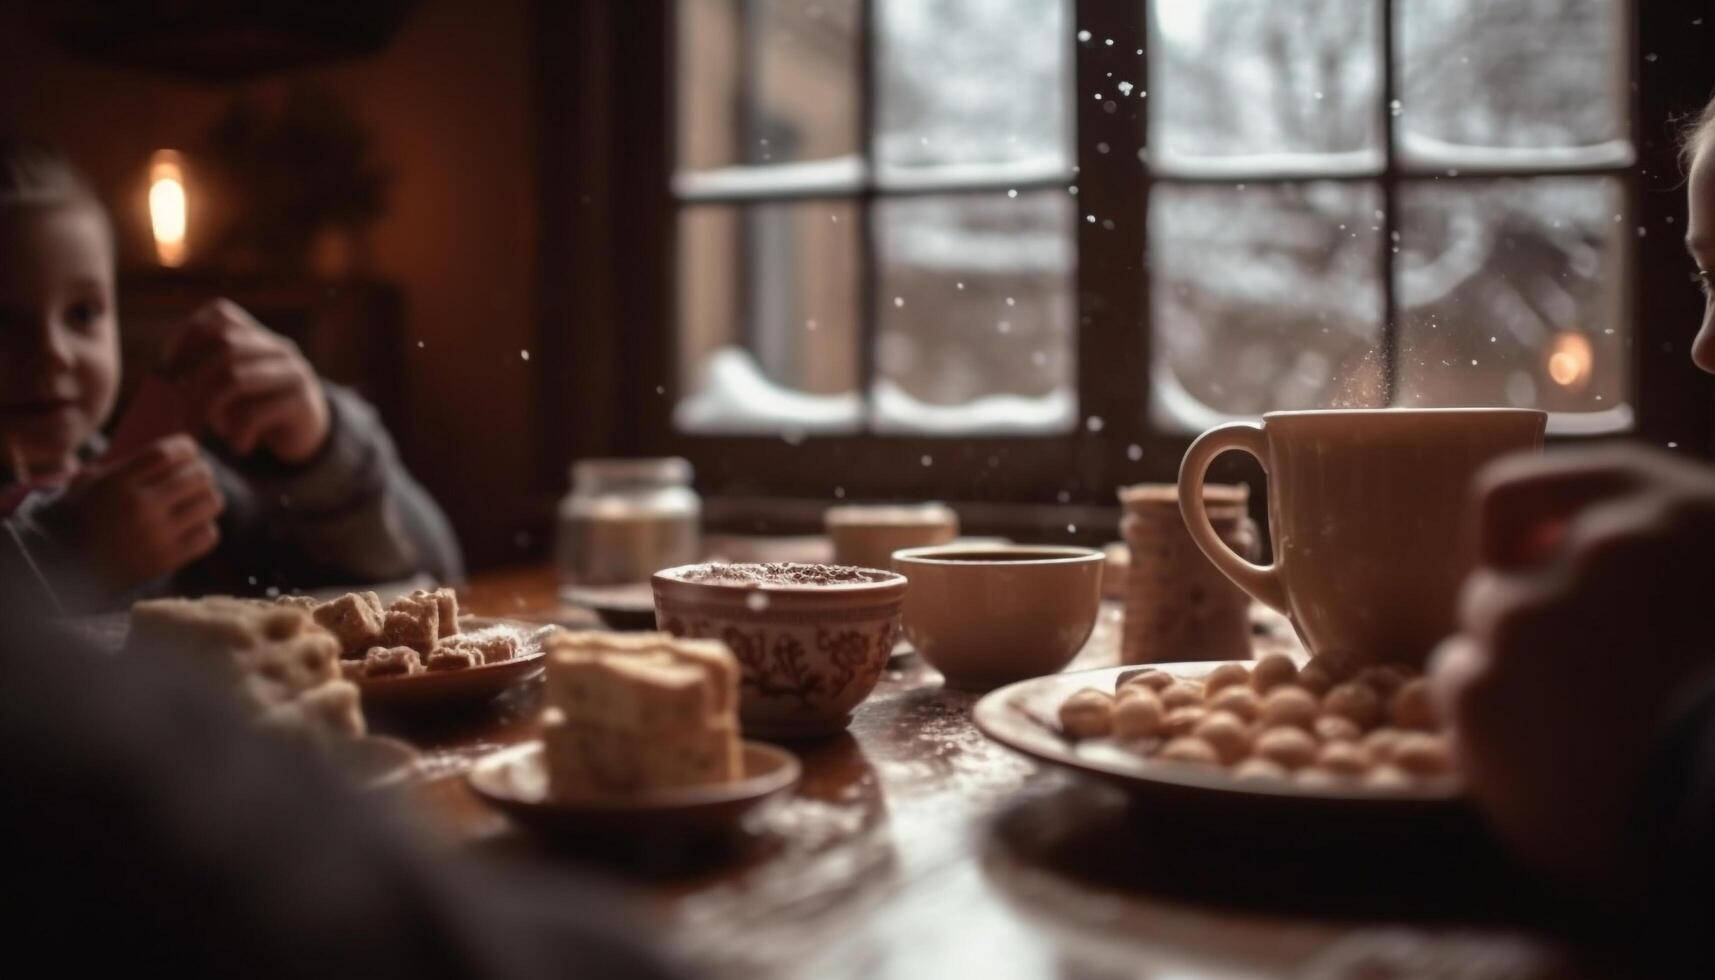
1493	603
196	541
256	380
234	372
1525	502
248	421
197	508
202	334
171	487
153	460
216	328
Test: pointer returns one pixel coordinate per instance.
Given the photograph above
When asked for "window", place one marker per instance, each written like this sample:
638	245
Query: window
875	231
1222	207
1357	204
1349	203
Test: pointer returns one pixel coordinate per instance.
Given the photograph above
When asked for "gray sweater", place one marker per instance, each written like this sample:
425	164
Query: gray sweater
351	515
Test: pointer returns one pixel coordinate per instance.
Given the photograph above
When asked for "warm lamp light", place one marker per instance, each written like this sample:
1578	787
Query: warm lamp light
1570	359
168	206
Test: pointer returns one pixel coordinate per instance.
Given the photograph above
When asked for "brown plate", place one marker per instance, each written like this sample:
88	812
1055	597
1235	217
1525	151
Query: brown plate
515	781
1024	717
472	685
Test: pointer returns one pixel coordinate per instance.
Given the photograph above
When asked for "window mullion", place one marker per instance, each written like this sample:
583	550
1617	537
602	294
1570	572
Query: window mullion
869	263
1390	211
1112	280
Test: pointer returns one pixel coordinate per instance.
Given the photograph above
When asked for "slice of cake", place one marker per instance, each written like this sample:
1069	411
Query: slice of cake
634	712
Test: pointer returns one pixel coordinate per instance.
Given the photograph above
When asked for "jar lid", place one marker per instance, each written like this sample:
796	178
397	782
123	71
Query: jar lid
657	470
930	512
1144	496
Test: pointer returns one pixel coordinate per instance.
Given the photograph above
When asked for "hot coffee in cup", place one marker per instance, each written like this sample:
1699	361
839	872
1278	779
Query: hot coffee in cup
1371	516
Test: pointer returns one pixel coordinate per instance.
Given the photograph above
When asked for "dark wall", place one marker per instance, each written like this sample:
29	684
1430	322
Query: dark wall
448	105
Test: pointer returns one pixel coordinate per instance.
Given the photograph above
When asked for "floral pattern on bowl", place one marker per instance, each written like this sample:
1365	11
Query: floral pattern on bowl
808	654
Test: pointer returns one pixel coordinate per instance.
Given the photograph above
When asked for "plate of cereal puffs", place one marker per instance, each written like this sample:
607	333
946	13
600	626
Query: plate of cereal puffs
419	651
1241	738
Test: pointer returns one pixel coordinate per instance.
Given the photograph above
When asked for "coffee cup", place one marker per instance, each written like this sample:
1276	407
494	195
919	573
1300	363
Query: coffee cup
867	535
1371	516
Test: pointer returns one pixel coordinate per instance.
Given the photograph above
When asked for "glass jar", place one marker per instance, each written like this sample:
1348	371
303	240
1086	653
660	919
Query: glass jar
626	519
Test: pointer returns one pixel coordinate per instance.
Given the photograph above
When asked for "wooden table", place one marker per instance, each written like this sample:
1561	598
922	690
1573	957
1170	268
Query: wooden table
915	847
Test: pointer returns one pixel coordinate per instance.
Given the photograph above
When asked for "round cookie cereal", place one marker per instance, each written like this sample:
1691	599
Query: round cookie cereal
1152	678
1286	746
1089	713
1336	728
1358	702
1380	744
1138	712
1181	694
1343	759
1258	769
1240	701
1181	721
1311	777
1288	706
1189	749
1226	734
1423	754
1271	671
1224	676
1411	707
1384	678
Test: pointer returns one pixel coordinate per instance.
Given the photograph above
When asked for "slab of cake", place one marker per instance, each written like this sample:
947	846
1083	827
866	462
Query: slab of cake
281	664
632	713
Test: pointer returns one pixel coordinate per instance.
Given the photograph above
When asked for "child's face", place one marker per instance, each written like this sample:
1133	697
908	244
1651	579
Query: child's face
59	349
1700	238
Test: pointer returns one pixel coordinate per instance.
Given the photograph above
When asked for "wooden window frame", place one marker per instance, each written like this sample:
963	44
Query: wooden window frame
604	116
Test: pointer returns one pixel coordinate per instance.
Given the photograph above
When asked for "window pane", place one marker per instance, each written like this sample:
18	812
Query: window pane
768	318
1264	297
973	82
975	314
1260	85
766	81
1511	293
1546	74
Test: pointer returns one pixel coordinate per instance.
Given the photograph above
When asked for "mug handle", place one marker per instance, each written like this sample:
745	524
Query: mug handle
1261	581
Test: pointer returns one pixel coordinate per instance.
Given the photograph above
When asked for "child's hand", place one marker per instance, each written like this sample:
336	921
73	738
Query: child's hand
1591	612
144	516
250	386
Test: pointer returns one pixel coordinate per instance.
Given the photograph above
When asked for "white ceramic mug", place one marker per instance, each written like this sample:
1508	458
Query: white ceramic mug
1371	518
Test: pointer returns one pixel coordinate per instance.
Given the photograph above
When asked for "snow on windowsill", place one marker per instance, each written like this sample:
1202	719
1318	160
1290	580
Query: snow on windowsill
833	175
1035	170
1421	152
1174	409
898	413
1265	166
737	398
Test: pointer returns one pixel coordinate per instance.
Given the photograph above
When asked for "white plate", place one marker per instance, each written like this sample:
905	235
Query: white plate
1024	717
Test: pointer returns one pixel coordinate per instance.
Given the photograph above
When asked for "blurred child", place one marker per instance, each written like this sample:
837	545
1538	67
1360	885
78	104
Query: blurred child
1582	686
242	470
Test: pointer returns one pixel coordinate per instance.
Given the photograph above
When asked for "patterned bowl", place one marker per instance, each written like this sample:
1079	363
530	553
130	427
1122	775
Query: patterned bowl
811	640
